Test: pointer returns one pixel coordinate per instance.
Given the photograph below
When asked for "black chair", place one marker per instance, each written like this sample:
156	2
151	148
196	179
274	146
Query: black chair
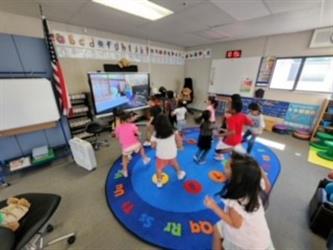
321	211
34	225
96	128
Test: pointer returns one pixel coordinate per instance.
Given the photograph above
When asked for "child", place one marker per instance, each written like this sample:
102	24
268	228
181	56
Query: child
154	111
205	138
233	136
171	106
233	98
180	113
127	133
258	126
243	224
165	140
212	104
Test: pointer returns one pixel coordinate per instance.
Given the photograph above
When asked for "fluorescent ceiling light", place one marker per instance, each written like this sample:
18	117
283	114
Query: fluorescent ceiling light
141	8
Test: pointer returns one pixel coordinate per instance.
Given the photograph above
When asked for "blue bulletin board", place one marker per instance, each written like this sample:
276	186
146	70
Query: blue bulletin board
301	115
295	115
270	107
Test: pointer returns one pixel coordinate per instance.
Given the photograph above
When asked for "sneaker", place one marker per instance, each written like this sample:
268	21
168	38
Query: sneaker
181	175
159	184
146	160
147	144
219	157
4	184
195	158
125	173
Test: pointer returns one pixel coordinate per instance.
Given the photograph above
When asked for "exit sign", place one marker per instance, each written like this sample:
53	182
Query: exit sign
233	54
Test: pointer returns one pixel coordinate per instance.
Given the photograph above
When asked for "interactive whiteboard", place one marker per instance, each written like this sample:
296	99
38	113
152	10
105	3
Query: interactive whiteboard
26	102
228	75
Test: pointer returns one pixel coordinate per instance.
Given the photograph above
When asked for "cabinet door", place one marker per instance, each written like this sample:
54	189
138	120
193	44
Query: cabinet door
9	59
34	55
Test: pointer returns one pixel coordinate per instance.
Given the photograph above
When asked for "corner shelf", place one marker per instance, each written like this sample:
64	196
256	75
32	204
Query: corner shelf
81	115
325	116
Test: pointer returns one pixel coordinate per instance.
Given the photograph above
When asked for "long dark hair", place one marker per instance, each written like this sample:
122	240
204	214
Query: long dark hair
205	116
244	182
163	127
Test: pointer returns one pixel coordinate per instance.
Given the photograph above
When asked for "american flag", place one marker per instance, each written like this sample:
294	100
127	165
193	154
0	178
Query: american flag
58	80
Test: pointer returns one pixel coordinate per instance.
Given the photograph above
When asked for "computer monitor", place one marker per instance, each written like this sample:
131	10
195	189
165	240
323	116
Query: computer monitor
118	90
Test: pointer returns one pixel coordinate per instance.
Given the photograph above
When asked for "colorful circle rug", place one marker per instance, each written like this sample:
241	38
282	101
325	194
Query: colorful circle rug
174	217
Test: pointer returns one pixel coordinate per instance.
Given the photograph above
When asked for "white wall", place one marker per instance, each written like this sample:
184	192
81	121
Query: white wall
294	44
75	70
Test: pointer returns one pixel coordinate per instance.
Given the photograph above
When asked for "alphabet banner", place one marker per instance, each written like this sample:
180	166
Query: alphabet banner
90	47
198	54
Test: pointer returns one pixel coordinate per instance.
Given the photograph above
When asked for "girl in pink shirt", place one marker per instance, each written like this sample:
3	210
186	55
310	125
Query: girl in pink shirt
128	134
212	104
243	224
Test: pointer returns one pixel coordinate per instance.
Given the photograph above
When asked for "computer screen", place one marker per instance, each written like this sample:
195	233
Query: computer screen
118	90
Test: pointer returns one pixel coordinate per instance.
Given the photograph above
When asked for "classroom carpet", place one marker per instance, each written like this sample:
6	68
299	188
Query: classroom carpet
315	159
174	216
84	209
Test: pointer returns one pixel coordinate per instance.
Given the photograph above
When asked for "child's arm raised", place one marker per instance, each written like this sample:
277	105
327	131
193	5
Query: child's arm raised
231	217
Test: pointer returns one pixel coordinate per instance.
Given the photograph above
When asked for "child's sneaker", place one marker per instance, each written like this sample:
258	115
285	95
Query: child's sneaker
219	157
125	173
159	184
181	175
146	160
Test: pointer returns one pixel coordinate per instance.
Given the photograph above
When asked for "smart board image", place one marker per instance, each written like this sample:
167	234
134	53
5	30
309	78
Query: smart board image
119	90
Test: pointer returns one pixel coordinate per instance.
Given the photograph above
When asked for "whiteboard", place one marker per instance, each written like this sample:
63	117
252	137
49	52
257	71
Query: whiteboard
227	75
26	102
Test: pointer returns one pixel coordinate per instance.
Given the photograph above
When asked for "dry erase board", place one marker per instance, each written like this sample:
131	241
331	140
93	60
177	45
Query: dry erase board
26	102
228	75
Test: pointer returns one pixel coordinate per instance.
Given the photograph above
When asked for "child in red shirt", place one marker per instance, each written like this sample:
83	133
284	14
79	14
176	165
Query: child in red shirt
232	138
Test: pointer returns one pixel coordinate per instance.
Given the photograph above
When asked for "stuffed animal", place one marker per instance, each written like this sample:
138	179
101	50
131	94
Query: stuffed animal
15	210
185	95
124	63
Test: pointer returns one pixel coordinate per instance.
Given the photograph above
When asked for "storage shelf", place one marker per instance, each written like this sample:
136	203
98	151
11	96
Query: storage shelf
83	135
80	116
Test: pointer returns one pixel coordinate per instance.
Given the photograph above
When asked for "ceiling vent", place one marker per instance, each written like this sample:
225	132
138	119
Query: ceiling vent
322	38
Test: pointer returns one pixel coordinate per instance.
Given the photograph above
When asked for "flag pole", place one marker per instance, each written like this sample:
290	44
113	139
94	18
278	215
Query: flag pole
60	112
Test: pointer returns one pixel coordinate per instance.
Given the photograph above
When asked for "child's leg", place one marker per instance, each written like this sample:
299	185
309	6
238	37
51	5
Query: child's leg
251	142
198	154
203	155
246	135
125	165
145	158
180	173
217	239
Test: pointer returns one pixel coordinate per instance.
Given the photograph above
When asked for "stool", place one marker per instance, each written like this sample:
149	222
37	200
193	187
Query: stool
303	134
281	129
320	143
328	154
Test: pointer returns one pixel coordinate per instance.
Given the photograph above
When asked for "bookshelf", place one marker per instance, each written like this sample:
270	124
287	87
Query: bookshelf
325	120
80	115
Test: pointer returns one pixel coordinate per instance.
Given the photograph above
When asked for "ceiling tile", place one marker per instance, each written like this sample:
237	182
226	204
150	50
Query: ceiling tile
278	6
177	5
243	9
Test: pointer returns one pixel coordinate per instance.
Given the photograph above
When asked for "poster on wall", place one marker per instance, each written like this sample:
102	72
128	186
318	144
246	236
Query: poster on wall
265	70
90	47
301	115
246	85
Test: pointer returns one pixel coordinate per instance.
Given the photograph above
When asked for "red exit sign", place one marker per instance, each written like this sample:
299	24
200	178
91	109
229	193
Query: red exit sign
233	54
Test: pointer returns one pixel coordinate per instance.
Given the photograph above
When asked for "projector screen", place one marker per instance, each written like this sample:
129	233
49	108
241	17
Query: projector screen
118	90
